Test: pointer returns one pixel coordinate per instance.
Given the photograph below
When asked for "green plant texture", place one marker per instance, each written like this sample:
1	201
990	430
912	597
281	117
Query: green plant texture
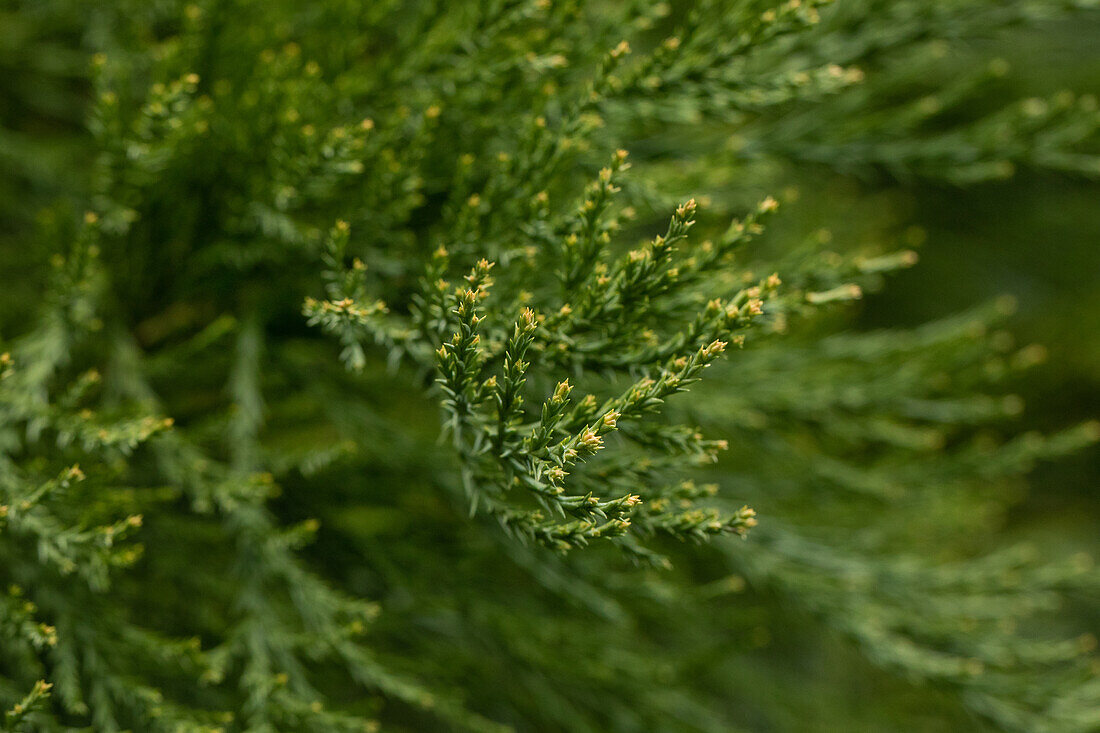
499	366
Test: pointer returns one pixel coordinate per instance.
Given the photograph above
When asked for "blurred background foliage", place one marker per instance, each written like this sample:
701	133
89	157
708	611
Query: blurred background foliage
1032	236
1028	230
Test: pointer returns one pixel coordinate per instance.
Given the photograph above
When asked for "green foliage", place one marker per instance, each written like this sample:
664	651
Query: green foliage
354	375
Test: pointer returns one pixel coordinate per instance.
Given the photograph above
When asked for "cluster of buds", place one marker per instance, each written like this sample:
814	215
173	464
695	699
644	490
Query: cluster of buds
508	391
553	410
591	232
739	233
14	718
701	523
346	307
460	360
549	458
589	441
